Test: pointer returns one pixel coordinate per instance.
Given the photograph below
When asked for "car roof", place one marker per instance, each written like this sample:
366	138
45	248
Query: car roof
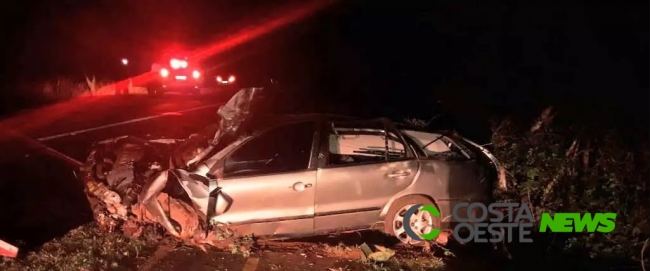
406	126
268	121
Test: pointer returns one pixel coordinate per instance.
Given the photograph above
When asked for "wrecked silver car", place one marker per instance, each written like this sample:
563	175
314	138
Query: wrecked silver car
285	176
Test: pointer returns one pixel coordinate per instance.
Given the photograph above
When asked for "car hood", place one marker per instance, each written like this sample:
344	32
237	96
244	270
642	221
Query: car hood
234	112
231	114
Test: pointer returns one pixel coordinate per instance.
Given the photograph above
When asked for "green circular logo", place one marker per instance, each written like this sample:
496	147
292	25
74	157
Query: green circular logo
416	233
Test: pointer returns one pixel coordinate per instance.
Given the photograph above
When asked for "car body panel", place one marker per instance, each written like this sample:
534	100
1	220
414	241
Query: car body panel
463	182
278	210
343	193
349	193
269	212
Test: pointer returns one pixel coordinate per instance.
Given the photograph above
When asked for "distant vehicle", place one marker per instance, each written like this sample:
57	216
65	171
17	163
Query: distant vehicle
227	84
178	75
225	80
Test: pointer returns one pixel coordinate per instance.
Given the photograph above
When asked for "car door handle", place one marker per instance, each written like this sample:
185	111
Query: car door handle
299	186
399	174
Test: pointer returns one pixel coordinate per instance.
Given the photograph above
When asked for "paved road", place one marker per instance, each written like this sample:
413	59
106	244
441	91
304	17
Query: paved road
101	111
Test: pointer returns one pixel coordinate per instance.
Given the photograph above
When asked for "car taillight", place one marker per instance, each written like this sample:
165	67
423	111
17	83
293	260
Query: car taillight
196	74
164	72
176	63
231	79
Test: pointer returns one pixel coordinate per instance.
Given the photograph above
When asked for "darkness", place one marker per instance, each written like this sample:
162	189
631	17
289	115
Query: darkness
470	59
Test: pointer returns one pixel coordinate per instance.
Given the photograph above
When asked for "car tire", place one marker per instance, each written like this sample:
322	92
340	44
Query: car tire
399	207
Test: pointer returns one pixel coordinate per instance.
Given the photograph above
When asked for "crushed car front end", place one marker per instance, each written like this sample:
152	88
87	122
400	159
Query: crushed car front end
132	182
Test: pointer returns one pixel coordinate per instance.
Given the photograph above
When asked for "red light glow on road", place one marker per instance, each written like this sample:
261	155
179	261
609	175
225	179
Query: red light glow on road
284	16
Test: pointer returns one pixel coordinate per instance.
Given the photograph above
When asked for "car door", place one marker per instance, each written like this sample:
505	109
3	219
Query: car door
269	180
467	180
362	166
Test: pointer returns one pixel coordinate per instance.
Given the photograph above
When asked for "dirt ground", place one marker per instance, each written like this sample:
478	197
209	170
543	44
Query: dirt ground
88	249
289	256
305	257
193	259
336	252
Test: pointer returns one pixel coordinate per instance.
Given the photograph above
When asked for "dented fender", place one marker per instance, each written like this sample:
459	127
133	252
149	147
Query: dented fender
495	161
148	199
487	153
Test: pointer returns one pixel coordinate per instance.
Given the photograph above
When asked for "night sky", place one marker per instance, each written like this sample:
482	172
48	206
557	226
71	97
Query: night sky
391	58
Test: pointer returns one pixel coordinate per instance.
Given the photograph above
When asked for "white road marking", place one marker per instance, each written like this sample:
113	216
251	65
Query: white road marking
62	156
38	145
123	123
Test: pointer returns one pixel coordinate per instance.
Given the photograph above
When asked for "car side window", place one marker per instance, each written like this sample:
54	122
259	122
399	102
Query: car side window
438	145
279	150
455	151
354	146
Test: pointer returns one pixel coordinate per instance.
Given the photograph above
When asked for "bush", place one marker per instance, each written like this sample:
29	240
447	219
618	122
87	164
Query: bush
559	168
64	89
99	88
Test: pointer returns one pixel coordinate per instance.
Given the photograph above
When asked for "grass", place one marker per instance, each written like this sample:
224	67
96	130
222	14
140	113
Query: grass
403	260
339	250
63	89
86	248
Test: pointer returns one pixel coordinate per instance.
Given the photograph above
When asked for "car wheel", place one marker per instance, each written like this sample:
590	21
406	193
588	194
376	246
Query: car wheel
421	222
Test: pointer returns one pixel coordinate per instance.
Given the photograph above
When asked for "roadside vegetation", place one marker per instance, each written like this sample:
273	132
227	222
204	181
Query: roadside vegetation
86	248
557	165
61	89
36	94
